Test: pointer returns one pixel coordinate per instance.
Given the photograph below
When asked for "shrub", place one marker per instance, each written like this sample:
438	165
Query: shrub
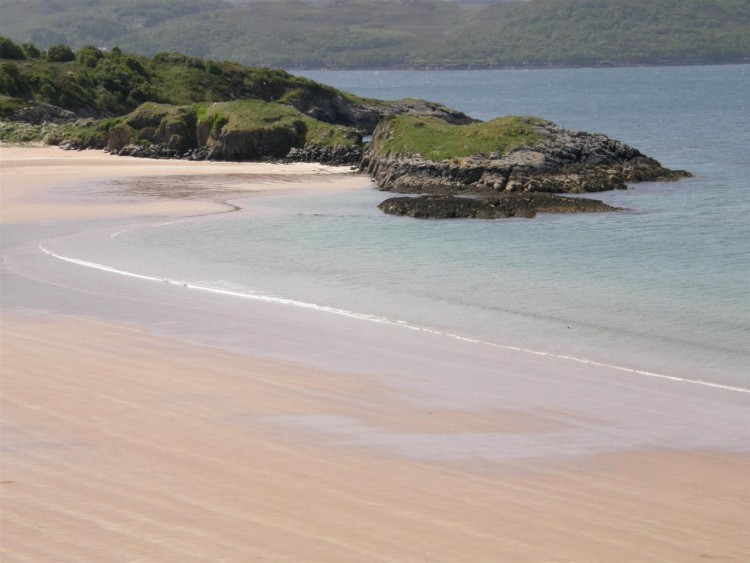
31	51
60	54
11	82
89	56
9	50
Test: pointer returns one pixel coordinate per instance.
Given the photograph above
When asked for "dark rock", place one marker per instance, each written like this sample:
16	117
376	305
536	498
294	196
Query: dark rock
39	113
336	155
564	161
525	205
366	116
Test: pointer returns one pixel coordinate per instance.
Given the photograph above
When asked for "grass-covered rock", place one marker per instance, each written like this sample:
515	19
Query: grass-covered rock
435	139
510	154
251	129
240	130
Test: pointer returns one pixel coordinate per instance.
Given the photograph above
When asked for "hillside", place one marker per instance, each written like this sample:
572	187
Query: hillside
604	32
174	105
397	33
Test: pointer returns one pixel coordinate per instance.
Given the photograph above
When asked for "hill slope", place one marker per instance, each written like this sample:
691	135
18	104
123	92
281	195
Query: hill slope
595	32
176	105
397	33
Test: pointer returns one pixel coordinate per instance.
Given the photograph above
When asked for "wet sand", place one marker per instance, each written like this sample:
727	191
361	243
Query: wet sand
144	423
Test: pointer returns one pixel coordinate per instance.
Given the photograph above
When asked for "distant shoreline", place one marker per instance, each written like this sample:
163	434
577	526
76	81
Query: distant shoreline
477	67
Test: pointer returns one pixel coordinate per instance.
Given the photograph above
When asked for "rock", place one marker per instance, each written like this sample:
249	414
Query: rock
366	116
38	113
525	205
336	154
561	161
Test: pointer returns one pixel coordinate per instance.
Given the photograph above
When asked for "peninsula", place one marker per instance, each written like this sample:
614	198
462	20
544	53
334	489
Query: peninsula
175	106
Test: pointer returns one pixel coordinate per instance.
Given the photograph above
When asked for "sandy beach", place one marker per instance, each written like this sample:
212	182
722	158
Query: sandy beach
144	423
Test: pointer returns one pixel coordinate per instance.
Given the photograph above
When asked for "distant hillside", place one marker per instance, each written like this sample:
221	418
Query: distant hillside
397	33
597	32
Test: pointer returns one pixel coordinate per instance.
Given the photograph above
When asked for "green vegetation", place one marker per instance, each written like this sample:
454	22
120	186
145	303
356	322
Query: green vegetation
9	50
434	139
250	128
96	82
172	101
395	33
604	32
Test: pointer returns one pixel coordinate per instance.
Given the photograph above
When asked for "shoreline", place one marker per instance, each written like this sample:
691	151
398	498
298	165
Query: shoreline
228	439
479	67
280	300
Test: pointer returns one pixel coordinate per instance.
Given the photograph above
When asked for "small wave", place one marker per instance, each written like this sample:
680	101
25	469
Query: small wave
379	319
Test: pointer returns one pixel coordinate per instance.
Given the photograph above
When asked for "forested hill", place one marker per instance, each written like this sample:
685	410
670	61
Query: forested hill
396	33
601	32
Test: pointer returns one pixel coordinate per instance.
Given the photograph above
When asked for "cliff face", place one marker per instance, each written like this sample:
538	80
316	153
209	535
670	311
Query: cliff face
547	158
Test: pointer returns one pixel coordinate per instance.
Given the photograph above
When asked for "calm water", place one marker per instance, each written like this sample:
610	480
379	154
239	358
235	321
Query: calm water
662	287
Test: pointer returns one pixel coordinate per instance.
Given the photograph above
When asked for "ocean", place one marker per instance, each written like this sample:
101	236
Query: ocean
662	287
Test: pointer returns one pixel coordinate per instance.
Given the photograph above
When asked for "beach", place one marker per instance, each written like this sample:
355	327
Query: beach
145	421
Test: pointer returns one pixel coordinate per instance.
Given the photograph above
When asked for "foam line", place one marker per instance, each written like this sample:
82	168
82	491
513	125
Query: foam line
384	320
118	233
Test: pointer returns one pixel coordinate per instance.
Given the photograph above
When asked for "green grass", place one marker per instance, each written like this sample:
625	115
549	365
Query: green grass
434	139
9	106
245	115
115	83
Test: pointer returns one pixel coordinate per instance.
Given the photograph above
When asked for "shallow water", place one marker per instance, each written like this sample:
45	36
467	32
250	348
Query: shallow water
661	287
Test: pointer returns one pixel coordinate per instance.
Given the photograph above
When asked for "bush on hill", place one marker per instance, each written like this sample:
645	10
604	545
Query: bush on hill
60	54
9	50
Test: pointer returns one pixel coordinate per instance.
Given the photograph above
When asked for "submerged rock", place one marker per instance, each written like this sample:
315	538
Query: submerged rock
500	207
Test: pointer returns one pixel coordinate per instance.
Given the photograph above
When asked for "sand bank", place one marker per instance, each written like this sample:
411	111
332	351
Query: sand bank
38	183
261	432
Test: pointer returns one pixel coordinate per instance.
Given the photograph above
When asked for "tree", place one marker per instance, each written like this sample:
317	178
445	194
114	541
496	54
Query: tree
9	50
89	56
31	51
60	54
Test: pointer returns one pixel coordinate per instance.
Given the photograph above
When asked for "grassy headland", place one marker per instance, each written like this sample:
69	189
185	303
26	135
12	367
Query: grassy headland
434	139
177	106
110	99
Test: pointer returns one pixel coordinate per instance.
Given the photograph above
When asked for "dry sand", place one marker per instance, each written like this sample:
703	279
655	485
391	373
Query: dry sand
30	175
119	445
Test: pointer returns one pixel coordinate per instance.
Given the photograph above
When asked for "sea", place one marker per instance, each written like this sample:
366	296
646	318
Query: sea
662	287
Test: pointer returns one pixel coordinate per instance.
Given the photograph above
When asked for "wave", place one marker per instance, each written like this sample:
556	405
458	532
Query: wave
379	319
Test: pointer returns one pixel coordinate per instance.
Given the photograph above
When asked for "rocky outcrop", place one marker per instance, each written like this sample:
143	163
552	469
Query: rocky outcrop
253	143
161	151
39	113
562	161
366	115
336	155
503	206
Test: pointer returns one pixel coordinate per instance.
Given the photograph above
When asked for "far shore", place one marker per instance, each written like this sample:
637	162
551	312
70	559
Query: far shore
481	67
142	422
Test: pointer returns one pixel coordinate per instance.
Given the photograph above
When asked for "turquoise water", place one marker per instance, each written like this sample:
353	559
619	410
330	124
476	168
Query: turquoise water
661	287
